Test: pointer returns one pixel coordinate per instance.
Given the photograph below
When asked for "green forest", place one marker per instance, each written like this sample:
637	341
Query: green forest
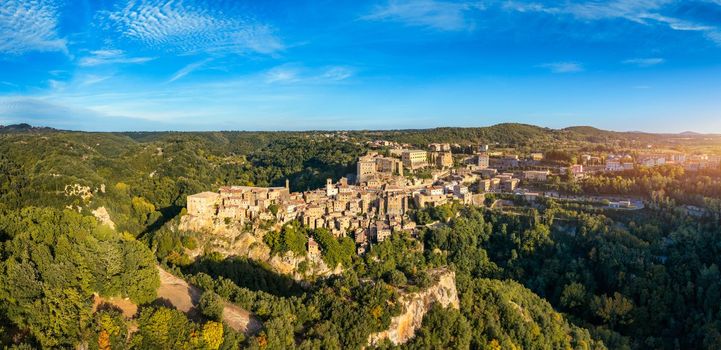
552	275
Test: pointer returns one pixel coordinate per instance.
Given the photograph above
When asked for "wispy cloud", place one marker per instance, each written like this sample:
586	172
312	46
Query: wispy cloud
643	12
188	69
29	25
59	114
93	79
337	73
715	36
100	57
441	15
563	67
282	74
171	25
290	73
644	62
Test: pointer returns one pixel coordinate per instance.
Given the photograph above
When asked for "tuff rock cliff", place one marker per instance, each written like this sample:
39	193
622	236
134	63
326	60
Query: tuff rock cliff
404	326
232	240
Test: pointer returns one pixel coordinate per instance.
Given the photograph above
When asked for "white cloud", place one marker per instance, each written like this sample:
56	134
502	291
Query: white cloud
337	73
441	15
29	25
188	69
290	73
100	57
714	36
644	62
44	111
282	74
171	25
563	67
56	84
92	79
644	12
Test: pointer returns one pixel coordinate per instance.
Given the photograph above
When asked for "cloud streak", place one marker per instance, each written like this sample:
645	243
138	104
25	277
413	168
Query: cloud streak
188	69
173	26
102	57
440	15
290	73
644	62
29	25
563	67
642	12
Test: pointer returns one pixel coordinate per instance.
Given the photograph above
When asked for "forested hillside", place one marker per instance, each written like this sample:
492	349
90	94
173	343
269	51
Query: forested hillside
554	275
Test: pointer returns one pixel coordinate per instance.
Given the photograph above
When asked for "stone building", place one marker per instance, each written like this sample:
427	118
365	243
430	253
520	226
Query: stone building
442	159
396	204
415	159
203	204
370	166
536	175
509	185
482	160
313	248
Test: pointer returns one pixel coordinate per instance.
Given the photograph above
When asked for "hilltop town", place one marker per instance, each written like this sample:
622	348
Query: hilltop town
393	182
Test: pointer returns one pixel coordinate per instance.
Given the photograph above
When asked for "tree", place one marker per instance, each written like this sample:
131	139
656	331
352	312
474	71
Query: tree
56	260
163	328
396	278
104	341
573	296
213	335
442	328
211	305
613	310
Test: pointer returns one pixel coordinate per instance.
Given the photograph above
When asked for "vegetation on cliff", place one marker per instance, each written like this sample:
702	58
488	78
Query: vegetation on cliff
585	277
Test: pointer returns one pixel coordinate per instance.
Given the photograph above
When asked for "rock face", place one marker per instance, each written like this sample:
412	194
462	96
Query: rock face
232	241
103	217
404	326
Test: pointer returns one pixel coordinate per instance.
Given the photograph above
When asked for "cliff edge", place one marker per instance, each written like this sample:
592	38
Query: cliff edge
416	305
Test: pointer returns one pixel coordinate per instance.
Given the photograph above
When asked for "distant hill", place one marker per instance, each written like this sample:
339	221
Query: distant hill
499	135
24	127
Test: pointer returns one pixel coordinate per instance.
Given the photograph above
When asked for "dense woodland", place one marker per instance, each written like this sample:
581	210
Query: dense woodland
546	275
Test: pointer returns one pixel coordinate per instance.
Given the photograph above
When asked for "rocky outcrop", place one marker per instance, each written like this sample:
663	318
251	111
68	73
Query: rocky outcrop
101	214
232	240
197	224
290	264
404	326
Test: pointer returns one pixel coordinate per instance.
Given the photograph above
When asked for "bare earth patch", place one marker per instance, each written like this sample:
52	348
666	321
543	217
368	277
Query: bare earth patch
128	308
185	297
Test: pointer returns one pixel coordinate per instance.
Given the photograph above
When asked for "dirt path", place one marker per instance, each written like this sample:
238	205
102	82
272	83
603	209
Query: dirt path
185	297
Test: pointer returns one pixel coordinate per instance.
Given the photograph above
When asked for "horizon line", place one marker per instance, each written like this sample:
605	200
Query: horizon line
690	132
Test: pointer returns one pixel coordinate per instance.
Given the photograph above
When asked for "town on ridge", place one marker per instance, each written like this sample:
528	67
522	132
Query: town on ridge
374	202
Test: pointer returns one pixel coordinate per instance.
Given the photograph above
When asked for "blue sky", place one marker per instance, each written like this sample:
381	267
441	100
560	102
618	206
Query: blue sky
651	65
